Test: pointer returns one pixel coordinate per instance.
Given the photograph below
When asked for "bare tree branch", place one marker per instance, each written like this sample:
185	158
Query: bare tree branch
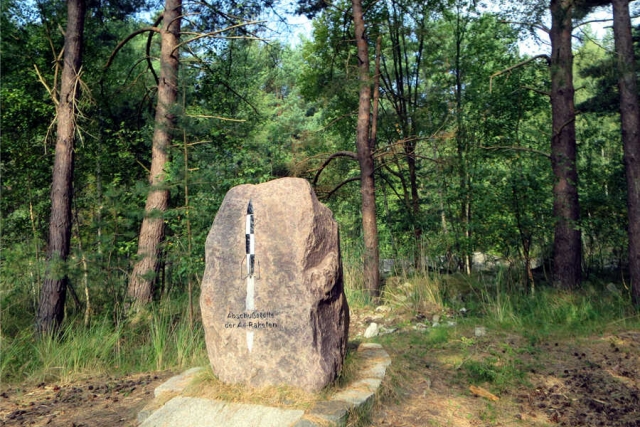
217	33
349	154
528	24
127	40
222	82
148	50
202	116
346	181
592	22
541	92
393	150
516	148
52	92
513	67
403	200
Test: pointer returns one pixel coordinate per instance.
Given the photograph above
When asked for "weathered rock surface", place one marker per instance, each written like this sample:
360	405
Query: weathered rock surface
192	411
296	333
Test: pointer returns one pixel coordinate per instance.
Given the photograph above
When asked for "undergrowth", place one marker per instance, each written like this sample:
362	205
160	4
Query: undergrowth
163	338
506	309
497	302
160	339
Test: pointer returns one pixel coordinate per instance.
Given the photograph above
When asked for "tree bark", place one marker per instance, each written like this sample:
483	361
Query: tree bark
630	126
401	87
365	158
142	278
54	288
566	209
463	151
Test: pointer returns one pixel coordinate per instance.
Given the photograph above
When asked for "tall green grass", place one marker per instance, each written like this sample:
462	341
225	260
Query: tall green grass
590	309
499	298
163	339
417	294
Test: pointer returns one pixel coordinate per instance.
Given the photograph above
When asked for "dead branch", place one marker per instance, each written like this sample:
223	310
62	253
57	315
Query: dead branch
52	92
528	24
392	150
127	40
518	65
541	92
390	184
346	181
202	116
349	154
156	23
594	41
391	171
593	21
143	166
373	137
132	69
216	33
517	148
227	86
565	124
58	69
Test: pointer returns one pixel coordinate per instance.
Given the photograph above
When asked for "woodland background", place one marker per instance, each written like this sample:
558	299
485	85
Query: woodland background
454	144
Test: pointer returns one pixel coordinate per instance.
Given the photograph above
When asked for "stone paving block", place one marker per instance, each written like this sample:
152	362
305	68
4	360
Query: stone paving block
334	412
193	411
376	371
371	384
177	384
354	397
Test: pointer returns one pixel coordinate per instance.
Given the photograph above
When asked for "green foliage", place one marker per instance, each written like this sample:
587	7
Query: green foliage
599	72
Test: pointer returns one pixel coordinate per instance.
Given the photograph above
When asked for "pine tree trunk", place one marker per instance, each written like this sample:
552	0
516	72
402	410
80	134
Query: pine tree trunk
152	230
365	158
463	152
630	118
566	209
54	288
410	154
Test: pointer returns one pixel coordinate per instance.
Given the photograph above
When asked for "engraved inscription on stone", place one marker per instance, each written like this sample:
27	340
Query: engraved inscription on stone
255	320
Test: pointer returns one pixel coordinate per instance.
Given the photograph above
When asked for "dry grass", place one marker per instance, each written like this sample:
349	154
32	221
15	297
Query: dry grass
206	385
420	294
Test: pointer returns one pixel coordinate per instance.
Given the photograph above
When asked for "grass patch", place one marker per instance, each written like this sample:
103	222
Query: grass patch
496	373
161	339
360	416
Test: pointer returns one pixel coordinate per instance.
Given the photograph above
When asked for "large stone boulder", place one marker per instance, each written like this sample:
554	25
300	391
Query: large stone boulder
272	299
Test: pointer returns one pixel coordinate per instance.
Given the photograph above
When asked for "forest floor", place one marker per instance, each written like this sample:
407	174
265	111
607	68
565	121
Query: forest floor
587	381
593	381
94	402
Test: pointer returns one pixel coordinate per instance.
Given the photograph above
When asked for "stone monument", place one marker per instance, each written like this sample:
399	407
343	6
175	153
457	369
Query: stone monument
272	299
